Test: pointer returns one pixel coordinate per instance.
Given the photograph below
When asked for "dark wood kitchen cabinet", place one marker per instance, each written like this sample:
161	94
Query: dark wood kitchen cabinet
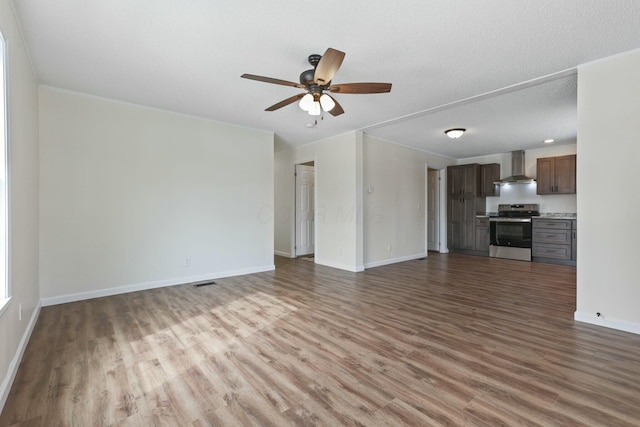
574	240
556	175
489	173
463	180
553	241
463	203
482	235
461	224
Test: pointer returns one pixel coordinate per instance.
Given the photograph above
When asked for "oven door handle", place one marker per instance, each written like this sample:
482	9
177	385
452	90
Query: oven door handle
509	219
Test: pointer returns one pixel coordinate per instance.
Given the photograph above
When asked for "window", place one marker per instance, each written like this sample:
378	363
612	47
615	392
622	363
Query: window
4	282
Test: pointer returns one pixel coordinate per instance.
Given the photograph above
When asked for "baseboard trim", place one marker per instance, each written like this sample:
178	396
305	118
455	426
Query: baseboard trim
284	254
5	387
394	260
63	299
352	268
620	325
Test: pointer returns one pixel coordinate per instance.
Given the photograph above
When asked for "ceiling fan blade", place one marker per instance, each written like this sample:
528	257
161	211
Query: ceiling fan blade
337	110
285	102
361	88
327	67
272	80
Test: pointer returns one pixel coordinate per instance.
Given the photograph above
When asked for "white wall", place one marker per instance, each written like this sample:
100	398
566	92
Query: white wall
128	193
526	193
22	92
394	201
608	203
338	200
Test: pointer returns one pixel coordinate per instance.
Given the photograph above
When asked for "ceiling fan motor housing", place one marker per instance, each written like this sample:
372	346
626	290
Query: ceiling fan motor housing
306	77
314	59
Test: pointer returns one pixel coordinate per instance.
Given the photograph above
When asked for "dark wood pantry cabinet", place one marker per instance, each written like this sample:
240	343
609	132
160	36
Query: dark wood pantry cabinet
556	175
463	203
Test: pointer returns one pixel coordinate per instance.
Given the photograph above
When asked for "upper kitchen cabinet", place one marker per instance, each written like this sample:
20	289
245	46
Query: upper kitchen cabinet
463	180
490	173
556	175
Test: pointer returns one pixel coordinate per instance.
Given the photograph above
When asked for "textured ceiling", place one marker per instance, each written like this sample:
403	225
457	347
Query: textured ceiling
443	58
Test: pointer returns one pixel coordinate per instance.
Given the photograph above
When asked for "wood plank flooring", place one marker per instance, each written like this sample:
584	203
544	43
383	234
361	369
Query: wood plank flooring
449	340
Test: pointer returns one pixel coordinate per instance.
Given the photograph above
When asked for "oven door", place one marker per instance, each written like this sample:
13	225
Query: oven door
510	238
510	232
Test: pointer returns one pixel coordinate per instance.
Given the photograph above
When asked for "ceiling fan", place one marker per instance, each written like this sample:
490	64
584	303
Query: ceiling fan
318	80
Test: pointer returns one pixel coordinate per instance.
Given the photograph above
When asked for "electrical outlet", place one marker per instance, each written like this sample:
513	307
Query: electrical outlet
389	248
187	262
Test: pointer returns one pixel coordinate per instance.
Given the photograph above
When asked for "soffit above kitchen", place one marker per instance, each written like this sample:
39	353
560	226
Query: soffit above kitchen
452	63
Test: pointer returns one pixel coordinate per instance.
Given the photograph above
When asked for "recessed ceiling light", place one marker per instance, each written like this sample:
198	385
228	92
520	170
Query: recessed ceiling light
548	141
455	133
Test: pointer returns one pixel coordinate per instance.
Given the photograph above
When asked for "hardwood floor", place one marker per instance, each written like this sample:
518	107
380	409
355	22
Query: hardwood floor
441	341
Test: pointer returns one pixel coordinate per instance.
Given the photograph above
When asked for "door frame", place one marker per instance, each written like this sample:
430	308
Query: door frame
292	228
442	209
427	208
444	245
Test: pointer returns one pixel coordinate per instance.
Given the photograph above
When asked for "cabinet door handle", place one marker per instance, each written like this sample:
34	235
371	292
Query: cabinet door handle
556	190
551	188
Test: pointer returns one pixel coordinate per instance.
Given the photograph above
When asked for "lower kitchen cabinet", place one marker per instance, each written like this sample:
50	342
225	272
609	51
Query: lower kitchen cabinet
462	214
553	241
482	235
574	240
545	250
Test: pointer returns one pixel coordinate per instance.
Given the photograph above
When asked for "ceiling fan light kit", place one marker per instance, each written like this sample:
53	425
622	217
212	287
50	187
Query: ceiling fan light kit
455	133
315	109
327	102
317	80
306	102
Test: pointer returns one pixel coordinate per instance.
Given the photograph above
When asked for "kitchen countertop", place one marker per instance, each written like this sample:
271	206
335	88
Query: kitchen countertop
557	215
543	215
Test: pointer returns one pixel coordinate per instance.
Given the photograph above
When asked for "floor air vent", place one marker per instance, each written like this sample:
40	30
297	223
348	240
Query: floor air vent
198	285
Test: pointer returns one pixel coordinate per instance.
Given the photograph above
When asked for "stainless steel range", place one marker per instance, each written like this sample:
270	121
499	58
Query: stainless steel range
510	231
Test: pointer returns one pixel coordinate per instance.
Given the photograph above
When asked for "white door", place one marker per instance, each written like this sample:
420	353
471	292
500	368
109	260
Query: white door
433	230
304	210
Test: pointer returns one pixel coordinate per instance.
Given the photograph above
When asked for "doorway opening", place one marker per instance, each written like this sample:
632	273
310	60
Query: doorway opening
433	210
305	210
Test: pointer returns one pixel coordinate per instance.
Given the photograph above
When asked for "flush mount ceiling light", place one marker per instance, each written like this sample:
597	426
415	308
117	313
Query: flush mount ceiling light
455	133
548	141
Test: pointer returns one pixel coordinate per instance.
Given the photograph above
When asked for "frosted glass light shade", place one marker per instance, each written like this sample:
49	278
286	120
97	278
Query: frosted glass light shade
306	103
315	109
327	102
455	133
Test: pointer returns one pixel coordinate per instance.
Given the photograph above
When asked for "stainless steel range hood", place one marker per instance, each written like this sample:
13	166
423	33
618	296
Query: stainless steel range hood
517	171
